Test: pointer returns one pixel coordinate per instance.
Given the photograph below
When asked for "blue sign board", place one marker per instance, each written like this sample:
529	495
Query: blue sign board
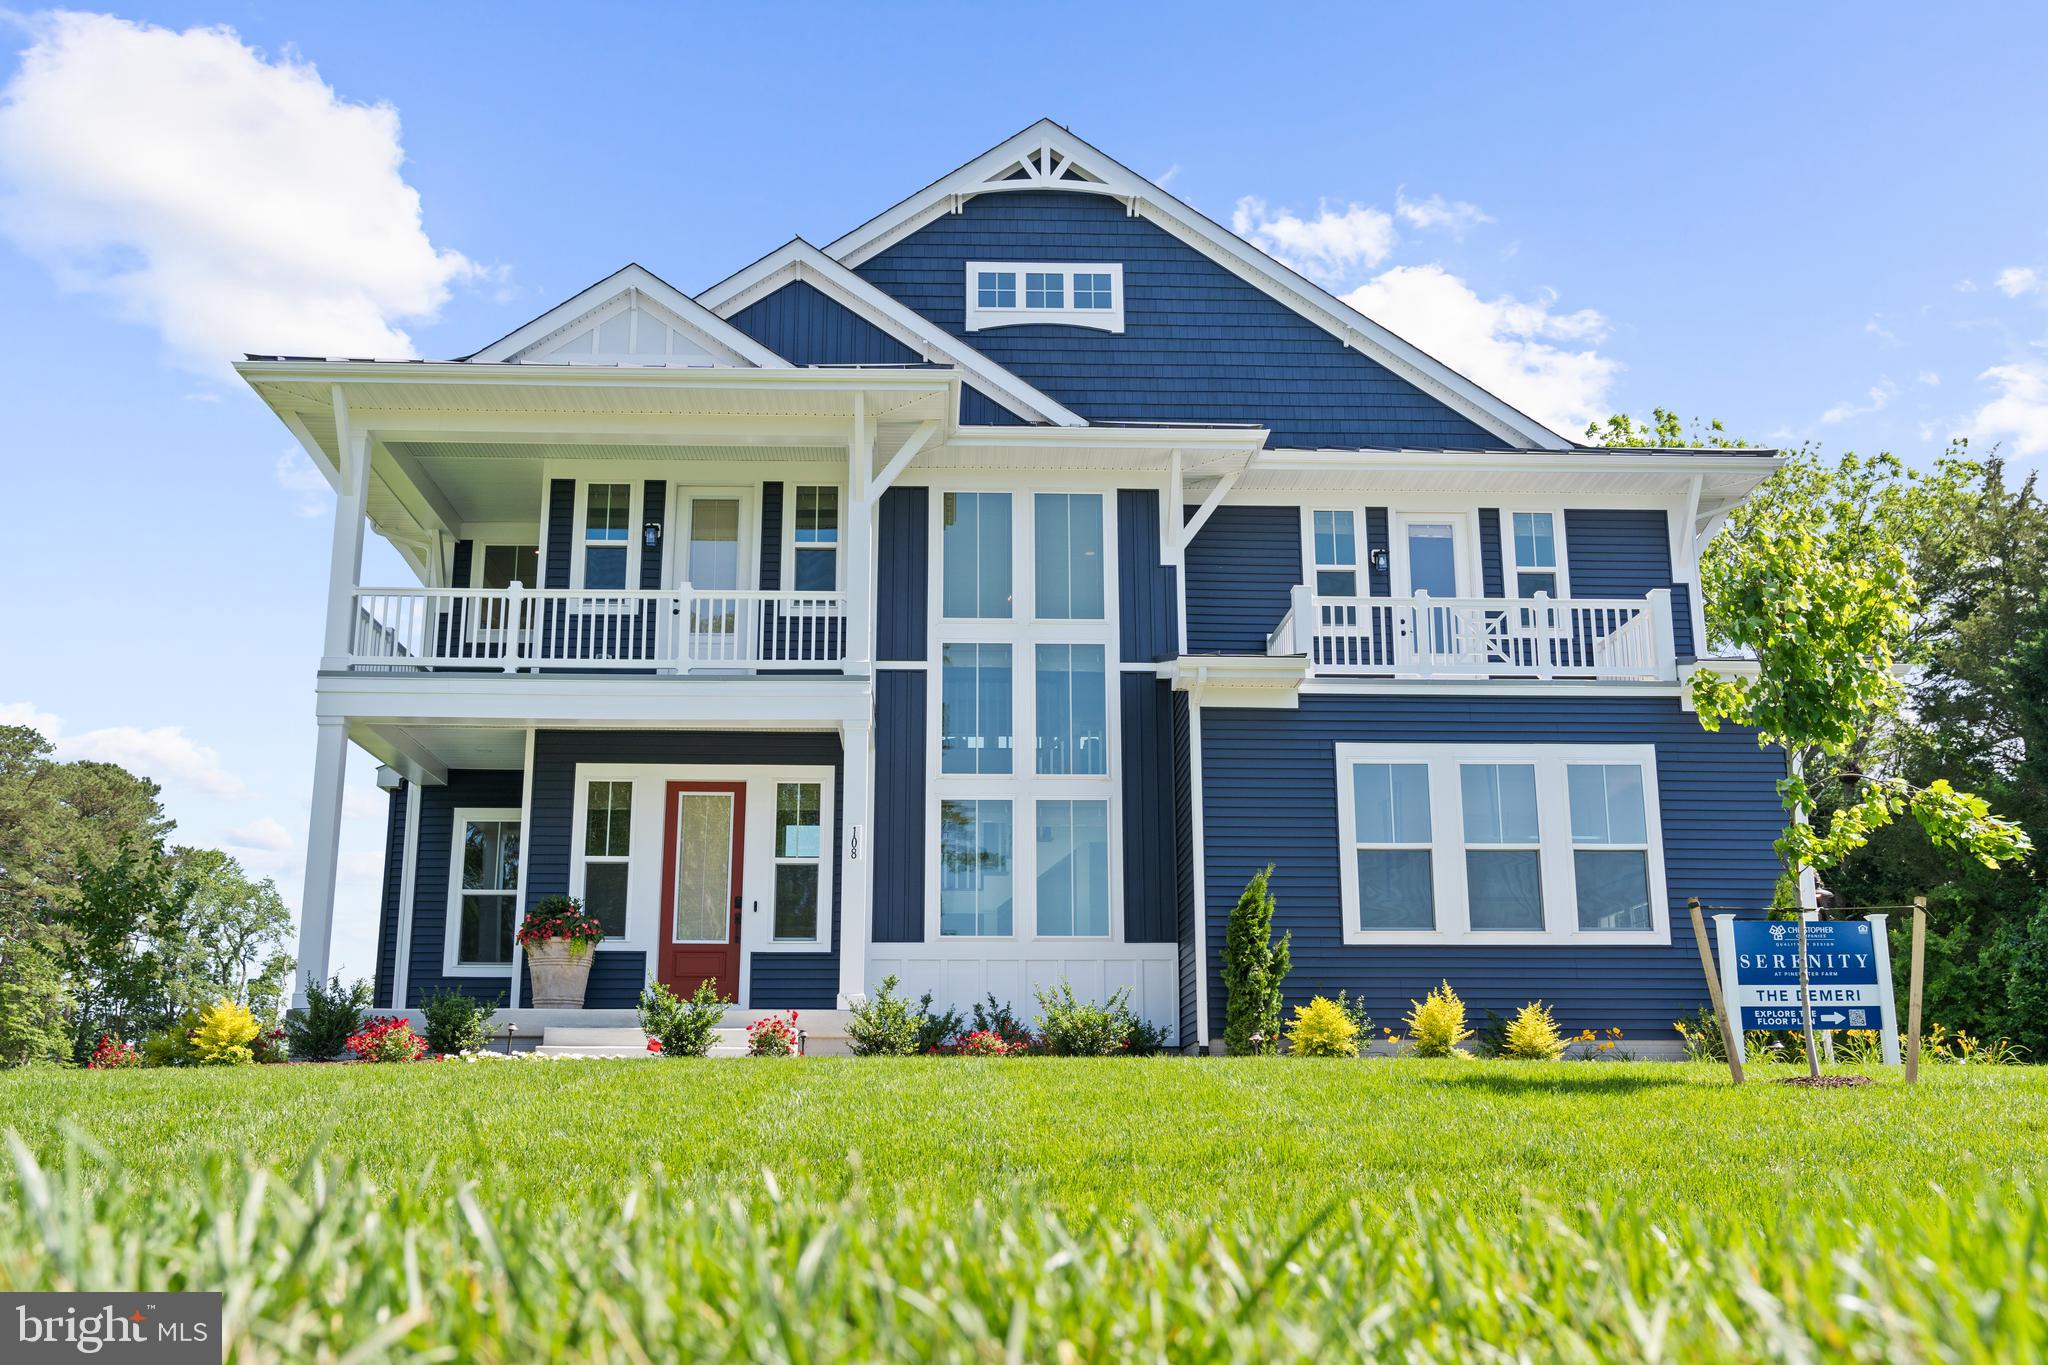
1848	975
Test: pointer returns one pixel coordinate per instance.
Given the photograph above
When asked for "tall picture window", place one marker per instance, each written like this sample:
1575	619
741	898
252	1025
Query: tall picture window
487	890
607	853
974	550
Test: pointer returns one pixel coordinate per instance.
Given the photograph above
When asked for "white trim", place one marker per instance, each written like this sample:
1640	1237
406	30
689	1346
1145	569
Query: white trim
1464	556
1560	904
720	334
1510	565
451	929
1020	312
1047	150
1201	870
789	546
408	880
525	819
682	497
579	529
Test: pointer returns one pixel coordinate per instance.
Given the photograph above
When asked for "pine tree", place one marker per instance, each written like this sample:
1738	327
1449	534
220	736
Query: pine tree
1253	968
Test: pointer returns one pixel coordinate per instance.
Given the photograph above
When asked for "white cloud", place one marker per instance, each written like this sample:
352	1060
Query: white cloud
26	713
296	474
166	755
1879	397
1167	176
263	833
2020	411
1876	328
1454	216
2016	280
1929	378
1508	346
232	202
1327	247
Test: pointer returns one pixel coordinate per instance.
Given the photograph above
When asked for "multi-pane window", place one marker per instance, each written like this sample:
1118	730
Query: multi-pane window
1396	881
996	288
815	537
1073	869
607	518
1092	290
607	853
1067	556
1503	848
1610	846
489	896
976	885
799	858
975	726
974	550
1336	555
1073	720
1044	289
1535	541
504	565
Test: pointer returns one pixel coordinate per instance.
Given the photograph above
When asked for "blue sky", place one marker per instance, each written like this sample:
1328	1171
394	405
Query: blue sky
1822	222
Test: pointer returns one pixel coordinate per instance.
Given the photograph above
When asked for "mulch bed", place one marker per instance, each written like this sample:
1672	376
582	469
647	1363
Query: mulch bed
1824	1082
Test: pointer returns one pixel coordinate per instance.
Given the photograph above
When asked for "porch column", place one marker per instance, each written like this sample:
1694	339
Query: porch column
345	558
856	739
323	855
860	539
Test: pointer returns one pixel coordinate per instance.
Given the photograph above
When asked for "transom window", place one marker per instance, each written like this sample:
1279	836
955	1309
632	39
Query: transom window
486	900
1076	294
799	859
815	540
1500	844
607	523
607	853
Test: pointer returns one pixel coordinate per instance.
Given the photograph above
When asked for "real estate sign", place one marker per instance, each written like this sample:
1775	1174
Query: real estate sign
1848	975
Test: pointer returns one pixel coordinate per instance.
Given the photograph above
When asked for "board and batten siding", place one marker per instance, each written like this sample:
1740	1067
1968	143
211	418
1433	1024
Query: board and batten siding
1149	891
1148	612
1184	864
804	326
1242	567
1269	796
486	789
385	977
1199	343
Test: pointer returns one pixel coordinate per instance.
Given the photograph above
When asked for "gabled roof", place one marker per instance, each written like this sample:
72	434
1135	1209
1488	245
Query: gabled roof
799	260
1046	156
718	337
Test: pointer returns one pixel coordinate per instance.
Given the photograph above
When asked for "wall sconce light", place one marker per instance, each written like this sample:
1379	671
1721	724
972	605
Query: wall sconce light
650	535
1379	561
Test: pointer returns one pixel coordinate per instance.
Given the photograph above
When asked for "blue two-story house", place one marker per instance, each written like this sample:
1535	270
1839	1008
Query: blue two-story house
983	598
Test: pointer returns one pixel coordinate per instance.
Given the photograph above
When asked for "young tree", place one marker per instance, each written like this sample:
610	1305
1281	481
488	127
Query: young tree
130	947
1253	968
239	931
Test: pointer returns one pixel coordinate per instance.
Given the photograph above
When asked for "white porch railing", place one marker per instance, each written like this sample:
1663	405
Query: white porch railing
509	629
1481	637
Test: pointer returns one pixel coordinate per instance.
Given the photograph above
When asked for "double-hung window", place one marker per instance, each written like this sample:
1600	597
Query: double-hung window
607	853
1533	541
1515	843
1336	550
485	905
814	543
799	859
607	521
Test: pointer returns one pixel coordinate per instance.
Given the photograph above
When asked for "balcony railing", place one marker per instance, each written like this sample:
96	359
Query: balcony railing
1481	637
518	628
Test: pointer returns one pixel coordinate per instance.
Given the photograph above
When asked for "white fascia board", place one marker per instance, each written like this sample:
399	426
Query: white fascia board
569	701
713	328
799	260
1142	197
1678	464
848	379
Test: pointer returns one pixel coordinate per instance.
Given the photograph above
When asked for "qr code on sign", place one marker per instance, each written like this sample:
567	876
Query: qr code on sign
1859	1018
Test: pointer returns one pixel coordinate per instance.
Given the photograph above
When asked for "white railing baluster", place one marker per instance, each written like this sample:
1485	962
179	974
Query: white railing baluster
1540	637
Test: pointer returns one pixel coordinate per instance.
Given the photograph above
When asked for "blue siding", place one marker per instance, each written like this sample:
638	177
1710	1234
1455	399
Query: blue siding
898	841
1241	569
771	535
1184	866
1151	912
1377	541
561	525
654	502
1491	582
902	575
1269	795
805	327
464	788
386	975
550	840
1147	615
977	409
1199	345
458	571
1625	552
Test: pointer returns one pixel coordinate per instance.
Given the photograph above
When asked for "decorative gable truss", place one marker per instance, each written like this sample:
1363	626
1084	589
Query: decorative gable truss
1046	156
632	317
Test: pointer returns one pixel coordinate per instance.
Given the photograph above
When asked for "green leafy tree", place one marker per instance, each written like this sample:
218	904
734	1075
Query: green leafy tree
239	930
1253	968
130	947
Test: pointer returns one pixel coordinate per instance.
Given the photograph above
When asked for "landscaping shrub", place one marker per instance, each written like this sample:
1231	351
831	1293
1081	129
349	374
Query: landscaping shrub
935	1031
1532	1035
172	1046
684	1028
1356	1012
270	1046
1436	1023
112	1055
1253	968
774	1036
456	1022
388	1039
987	1043
882	1025
225	1031
332	1015
1071	1027
1003	1022
1321	1028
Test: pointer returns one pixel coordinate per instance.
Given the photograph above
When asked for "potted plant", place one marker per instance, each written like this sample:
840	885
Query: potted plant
557	937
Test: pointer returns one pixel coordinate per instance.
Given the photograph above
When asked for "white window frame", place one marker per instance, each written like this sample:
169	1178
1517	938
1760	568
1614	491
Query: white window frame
1447	833
1023	786
778	860
1360	567
1110	319
1510	565
584	859
451	929
1463	550
676	534
789	542
480	548
579	532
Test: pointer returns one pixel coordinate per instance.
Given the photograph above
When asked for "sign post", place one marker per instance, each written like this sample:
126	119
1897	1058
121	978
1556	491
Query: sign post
1846	971
1731	1040
1913	990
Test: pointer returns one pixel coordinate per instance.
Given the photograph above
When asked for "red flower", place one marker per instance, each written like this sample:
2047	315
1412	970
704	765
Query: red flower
654	1044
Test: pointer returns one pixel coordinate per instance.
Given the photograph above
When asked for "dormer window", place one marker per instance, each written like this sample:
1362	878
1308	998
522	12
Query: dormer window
1021	293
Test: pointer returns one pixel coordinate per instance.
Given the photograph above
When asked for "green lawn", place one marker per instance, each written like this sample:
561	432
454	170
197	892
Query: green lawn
1580	1209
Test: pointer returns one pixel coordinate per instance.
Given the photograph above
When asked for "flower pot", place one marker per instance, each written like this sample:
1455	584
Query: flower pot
561	973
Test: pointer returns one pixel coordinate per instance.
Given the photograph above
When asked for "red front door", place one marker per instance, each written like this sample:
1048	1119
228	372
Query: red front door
700	887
